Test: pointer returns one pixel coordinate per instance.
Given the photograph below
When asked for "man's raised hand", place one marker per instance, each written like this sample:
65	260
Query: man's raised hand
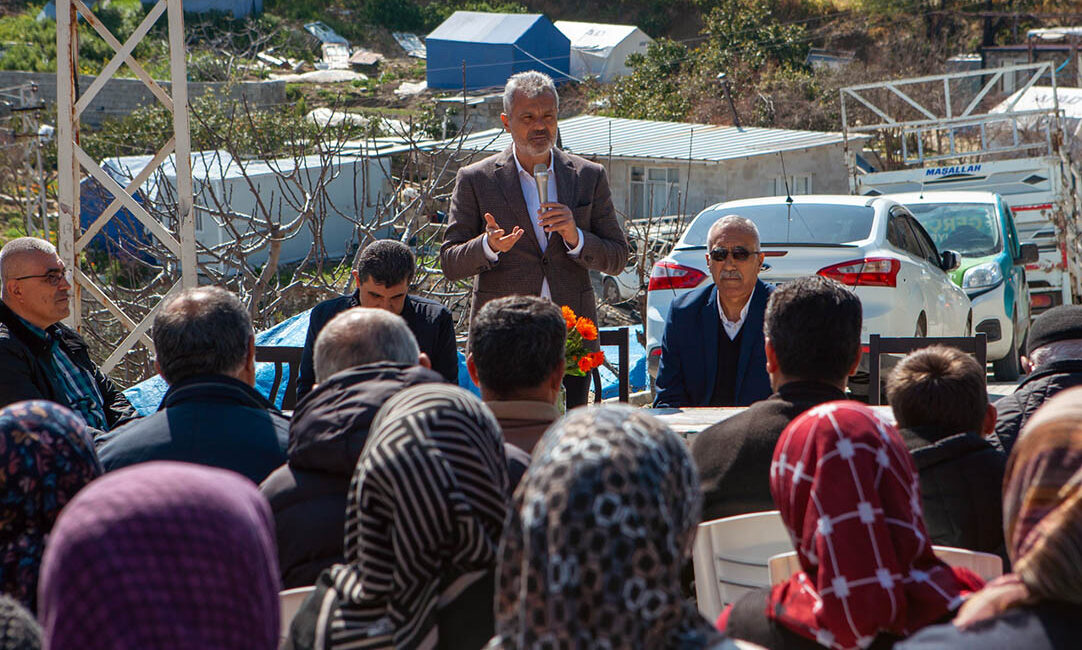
497	240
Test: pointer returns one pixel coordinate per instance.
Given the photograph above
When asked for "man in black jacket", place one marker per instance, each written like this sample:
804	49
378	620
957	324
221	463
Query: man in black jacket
362	357
40	358
1053	362
211	414
383	274
812	347
940	402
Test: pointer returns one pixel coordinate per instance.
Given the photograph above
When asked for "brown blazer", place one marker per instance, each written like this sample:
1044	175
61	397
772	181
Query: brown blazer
492	185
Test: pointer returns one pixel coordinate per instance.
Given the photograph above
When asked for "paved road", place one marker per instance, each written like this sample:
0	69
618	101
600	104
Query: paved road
997	389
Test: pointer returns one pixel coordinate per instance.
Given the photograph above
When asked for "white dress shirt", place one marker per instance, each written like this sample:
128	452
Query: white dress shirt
732	328
533	204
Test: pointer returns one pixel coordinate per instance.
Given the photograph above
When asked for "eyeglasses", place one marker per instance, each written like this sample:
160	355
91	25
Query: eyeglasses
739	253
53	277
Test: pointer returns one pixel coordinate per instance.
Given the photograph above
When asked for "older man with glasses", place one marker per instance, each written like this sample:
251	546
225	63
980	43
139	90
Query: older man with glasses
712	352
40	358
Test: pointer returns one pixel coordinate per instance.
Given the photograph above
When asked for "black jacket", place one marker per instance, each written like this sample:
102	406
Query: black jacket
329	428
1015	409
961	484
209	420
26	370
429	321
734	455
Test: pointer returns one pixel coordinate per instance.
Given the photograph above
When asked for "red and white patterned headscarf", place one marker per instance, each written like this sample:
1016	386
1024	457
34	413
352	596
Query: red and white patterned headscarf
848	492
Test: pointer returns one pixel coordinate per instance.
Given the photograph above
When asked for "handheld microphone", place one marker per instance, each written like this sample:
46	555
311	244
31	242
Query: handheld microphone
541	177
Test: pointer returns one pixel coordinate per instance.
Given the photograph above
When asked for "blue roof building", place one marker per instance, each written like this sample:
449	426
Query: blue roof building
494	47
239	8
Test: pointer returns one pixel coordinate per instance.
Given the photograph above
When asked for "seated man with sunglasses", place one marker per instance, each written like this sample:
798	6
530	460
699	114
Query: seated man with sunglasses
40	358
712	351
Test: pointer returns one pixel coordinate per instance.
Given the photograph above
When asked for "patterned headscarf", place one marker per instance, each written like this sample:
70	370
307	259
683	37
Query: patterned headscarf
600	528
18	629
1042	501
47	456
162	555
848	492
426	508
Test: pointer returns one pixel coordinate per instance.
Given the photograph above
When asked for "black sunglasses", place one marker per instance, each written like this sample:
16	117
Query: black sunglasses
739	253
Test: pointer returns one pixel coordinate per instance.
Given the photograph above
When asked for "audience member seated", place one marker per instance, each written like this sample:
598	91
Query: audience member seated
812	346
18	629
40	357
1039	605
211	414
712	348
383	273
598	533
517	360
1053	363
848	493
46	456
940	403
362	358
162	555
426	509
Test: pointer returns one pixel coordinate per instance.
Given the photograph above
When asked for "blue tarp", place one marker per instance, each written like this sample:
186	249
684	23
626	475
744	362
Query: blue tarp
147	395
493	47
239	8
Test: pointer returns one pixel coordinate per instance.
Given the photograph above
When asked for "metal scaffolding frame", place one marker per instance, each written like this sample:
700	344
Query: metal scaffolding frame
72	159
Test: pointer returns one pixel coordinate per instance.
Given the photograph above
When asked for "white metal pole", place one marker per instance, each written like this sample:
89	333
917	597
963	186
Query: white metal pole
178	69
67	70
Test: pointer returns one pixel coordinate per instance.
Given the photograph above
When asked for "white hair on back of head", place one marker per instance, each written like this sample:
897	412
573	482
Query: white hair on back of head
360	336
530	84
1056	351
22	246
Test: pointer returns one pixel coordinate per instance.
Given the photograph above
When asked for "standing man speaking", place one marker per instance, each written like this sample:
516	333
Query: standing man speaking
532	219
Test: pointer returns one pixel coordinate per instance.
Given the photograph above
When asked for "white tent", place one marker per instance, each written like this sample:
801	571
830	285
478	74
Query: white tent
601	50
1036	98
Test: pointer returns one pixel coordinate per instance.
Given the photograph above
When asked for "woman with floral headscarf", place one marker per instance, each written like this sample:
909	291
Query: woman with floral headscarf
1039	605
601	525
847	490
46	456
424	516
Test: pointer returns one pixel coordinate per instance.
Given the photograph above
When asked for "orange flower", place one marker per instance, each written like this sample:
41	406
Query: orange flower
569	316
587	330
597	358
584	364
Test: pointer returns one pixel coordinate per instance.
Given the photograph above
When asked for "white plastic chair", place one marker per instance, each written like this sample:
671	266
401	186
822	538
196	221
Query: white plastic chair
289	602
987	565
731	557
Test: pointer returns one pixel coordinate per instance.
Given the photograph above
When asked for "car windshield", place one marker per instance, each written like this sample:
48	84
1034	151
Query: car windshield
809	223
969	228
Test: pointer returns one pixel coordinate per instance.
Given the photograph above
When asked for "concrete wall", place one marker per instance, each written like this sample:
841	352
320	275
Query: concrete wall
120	97
737	179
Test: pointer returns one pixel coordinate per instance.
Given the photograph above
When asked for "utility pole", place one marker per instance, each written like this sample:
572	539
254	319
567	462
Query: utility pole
729	96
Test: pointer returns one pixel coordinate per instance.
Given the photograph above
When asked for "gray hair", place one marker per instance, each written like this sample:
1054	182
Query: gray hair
734	221
201	331
1056	351
22	246
530	84
361	336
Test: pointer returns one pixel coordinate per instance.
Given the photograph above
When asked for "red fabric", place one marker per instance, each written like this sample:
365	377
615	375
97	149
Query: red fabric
723	618
848	492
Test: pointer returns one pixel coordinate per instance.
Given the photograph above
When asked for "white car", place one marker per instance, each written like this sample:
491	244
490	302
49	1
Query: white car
625	286
874	245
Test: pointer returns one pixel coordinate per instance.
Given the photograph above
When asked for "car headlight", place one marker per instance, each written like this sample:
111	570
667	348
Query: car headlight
982	275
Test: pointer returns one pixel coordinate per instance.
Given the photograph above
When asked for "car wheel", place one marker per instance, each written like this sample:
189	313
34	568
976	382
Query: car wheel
1009	368
610	293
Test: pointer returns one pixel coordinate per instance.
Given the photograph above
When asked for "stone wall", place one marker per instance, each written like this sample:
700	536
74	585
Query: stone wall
120	97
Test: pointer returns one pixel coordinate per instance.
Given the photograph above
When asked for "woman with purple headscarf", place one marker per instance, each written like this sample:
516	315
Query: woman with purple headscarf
47	456
162	556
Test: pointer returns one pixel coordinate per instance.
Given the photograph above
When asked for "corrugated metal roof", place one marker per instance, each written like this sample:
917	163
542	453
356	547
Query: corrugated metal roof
483	27
594	135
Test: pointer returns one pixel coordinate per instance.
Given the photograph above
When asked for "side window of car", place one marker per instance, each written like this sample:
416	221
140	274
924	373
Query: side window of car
895	231
1012	234
924	240
903	235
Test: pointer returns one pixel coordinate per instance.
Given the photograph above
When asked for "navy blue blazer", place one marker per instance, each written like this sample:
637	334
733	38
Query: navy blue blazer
689	350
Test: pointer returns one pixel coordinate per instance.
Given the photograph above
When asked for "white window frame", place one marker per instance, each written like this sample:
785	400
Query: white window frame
649	188
798	184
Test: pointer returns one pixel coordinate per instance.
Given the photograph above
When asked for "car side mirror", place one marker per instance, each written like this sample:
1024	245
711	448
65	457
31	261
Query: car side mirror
1027	254
949	260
